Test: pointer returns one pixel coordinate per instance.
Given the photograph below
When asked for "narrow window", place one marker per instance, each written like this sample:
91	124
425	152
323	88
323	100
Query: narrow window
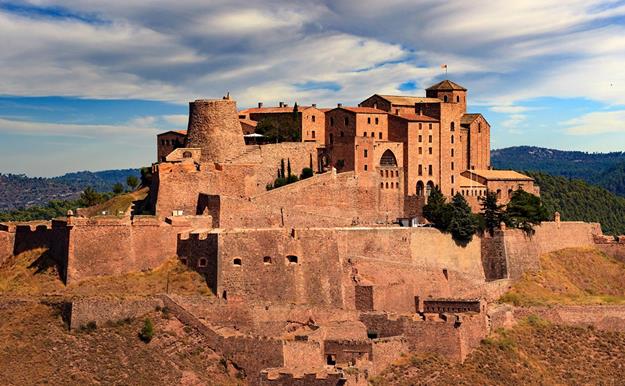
313	118
430	126
458	99
452	191
452	179
453	126
386	172
429	170
430	150
376	121
430	139
452	139
331	138
369	120
479	127
381	185
313	133
236	262
420	170
381	173
445	98
346	121
342	134
365	153
202	263
292	259
380	135
420	126
420	150
452	166
387	185
365	167
364	134
446	273
372	134
420	138
331	121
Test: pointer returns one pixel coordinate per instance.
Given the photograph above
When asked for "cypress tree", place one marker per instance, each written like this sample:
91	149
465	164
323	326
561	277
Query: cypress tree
492	212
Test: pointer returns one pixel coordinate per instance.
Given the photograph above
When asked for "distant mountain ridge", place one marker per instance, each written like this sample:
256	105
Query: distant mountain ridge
603	169
20	191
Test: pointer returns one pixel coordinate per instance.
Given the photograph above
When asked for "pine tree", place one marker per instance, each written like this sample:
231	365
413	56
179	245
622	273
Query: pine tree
463	223
525	210
492	213
436	210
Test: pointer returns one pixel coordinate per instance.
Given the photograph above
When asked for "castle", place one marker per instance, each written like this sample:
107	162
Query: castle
315	277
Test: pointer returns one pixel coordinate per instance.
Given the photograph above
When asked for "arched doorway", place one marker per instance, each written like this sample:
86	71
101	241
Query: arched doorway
428	188
420	188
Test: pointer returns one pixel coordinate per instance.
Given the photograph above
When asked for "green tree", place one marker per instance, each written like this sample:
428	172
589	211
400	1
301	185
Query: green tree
463	224
288	168
282	169
132	182
525	210
90	197
147	332
118	188
306	173
436	210
146	176
492	212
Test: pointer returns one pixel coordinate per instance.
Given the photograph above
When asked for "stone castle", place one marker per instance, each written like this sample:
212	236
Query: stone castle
314	282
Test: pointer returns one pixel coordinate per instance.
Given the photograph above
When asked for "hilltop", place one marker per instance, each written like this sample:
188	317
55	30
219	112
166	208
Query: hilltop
603	169
21	191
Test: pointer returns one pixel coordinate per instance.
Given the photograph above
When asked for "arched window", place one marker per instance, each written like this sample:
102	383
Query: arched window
420	188
428	188
388	159
187	154
453	126
381	185
387	185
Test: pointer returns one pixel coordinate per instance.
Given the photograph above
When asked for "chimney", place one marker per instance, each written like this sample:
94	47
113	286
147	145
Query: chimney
339	105
314	105
260	105
281	104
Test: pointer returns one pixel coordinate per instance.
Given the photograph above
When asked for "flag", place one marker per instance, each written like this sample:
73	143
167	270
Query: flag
444	66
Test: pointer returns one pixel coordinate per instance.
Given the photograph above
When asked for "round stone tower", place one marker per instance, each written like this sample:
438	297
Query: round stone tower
214	127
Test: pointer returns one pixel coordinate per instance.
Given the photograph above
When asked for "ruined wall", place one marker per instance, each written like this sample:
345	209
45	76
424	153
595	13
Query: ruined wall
104	310
7	240
301	355
288	379
386	351
112	246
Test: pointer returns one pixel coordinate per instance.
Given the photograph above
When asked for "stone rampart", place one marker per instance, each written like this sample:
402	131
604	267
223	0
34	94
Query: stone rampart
289	379
104	310
7	241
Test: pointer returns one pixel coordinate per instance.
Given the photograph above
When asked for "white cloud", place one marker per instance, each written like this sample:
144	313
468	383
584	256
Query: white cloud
600	122
138	127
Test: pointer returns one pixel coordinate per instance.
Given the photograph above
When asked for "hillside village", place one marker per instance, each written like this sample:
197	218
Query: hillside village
302	235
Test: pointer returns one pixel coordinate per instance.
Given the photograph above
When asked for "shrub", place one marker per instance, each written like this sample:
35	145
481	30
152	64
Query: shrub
306	173
147	332
89	327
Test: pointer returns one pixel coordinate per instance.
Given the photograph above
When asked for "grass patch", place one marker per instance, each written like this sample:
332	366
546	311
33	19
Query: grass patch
571	276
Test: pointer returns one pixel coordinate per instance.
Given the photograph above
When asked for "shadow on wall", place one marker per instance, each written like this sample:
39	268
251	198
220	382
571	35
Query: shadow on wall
54	239
199	252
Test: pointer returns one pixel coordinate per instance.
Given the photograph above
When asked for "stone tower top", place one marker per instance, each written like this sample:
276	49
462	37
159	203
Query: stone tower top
214	127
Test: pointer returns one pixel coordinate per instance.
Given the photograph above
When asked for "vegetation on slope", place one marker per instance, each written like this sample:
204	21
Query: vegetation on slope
34	273
534	352
578	201
604	169
571	276
36	348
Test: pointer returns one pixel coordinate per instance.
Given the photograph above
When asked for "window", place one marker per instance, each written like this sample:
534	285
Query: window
452	166
369	120
364	134
346	120
428	188
331	360
420	188
396	173
388	159
177	213
453	126
365	153
331	121
365	167
452	191
163	142
372	335
342	134
420	138
187	154
386	172
331	138
420	126
458	99
479	127
313	118
376	121
396	111
313	133
430	170
430	150
420	150
372	134
452	179
387	185
420	170
445	98
381	173
292	259
452	152
430	139
381	185
236	262
452	139
202	263
380	135
267	260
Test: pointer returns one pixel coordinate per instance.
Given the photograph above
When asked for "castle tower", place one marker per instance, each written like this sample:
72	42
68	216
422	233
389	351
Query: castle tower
448	92
214	127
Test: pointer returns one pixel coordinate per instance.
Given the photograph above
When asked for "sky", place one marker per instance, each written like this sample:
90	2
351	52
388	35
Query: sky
86	85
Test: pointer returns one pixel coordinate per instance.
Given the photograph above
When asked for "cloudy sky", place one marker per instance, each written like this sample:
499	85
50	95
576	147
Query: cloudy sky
87	84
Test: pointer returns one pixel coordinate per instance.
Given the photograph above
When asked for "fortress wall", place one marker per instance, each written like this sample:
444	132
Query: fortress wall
523	252
101	247
314	279
7	241
303	355
616	250
288	379
177	187
386	351
300	154
104	310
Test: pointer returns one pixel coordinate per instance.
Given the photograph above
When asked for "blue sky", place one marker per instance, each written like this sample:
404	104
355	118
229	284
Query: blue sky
87	85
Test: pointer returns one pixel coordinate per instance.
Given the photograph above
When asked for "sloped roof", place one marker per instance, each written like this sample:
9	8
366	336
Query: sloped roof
178	132
275	110
416	118
363	110
249	122
502	175
467	119
446	85
407	100
469	183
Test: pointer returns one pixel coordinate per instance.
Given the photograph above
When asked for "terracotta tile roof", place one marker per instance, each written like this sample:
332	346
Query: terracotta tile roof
467	119
363	110
465	182
503	175
446	85
180	132
249	122
407	100
416	118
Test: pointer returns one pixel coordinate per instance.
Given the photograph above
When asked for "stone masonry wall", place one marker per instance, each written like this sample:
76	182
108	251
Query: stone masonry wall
7	240
103	310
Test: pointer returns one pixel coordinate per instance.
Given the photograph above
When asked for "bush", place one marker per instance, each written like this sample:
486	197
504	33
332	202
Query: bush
306	173
147	332
89	327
